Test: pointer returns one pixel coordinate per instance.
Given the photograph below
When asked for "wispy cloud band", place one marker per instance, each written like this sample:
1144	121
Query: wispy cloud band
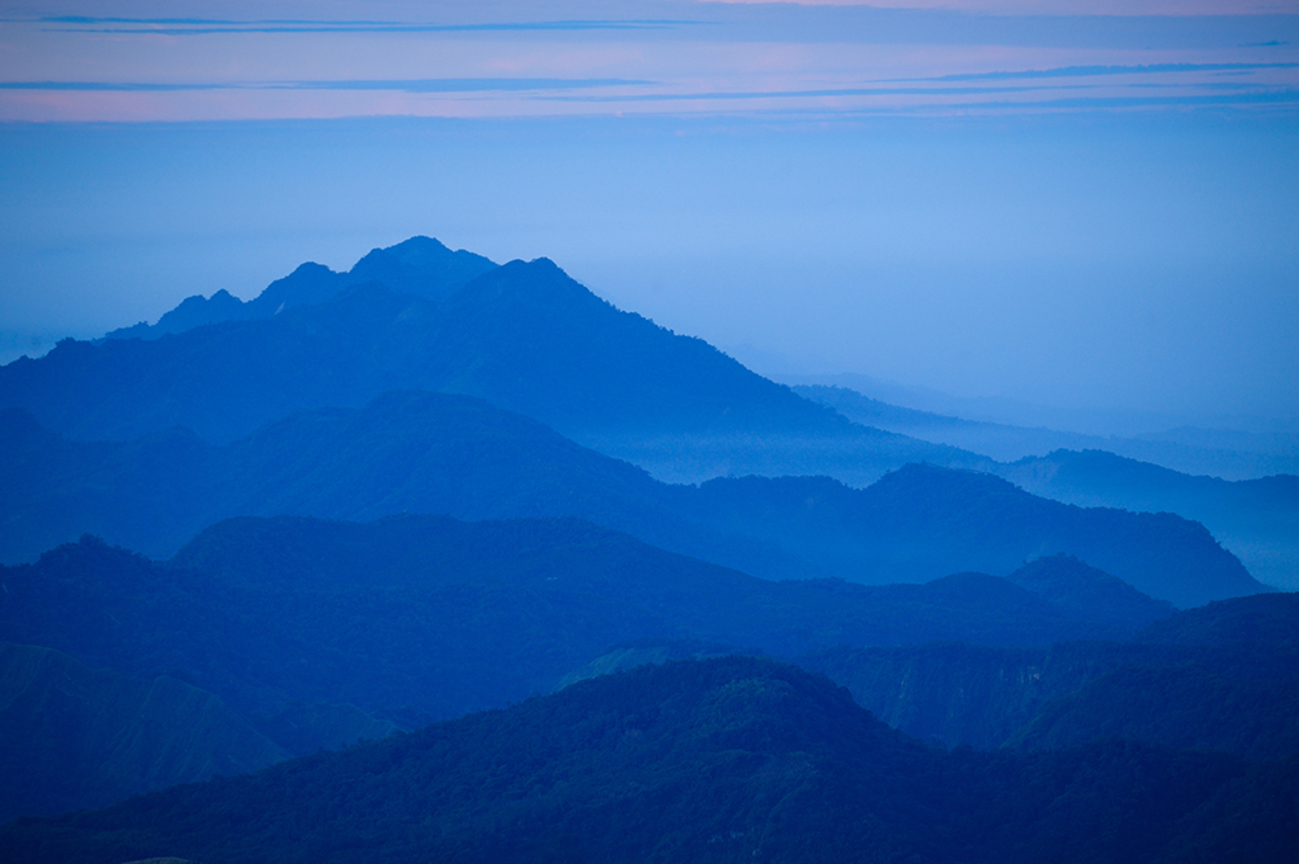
204	26
425	85
1086	71
638	56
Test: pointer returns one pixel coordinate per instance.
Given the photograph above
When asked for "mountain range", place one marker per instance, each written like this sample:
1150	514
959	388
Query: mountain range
525	337
369	501
438	453
249	588
317	632
1226	453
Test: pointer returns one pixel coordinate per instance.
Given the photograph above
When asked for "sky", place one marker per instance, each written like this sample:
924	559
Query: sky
1087	204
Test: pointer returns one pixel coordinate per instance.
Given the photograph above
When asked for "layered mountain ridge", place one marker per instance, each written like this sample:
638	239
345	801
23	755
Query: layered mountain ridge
315	633
527	338
439	453
297	468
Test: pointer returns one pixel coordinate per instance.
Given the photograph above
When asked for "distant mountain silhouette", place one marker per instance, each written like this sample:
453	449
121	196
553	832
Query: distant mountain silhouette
524	336
1220	453
1257	519
923	518
434	453
705	761
421	266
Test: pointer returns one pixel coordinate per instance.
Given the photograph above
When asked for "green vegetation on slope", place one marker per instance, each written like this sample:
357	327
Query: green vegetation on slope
1221	677
77	737
728	760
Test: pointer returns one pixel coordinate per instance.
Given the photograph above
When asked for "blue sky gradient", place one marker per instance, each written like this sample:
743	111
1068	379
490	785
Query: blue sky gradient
1076	210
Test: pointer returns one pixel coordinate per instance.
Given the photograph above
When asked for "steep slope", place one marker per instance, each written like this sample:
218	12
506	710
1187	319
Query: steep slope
74	737
435	453
1228	680
529	338
1220	677
722	760
957	693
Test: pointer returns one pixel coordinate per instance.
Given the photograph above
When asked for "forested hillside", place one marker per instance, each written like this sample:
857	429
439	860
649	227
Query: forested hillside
717	760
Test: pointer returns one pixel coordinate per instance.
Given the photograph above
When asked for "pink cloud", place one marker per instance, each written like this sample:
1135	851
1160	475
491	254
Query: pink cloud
745	61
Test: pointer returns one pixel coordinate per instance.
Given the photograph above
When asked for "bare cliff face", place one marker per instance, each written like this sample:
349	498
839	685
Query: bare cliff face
1178	683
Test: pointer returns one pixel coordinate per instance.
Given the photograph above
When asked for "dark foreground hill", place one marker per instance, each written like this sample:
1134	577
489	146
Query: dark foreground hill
321	632
437	453
736	759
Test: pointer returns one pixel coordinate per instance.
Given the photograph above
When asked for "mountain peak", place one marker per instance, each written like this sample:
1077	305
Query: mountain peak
420	246
1088	592
421	266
